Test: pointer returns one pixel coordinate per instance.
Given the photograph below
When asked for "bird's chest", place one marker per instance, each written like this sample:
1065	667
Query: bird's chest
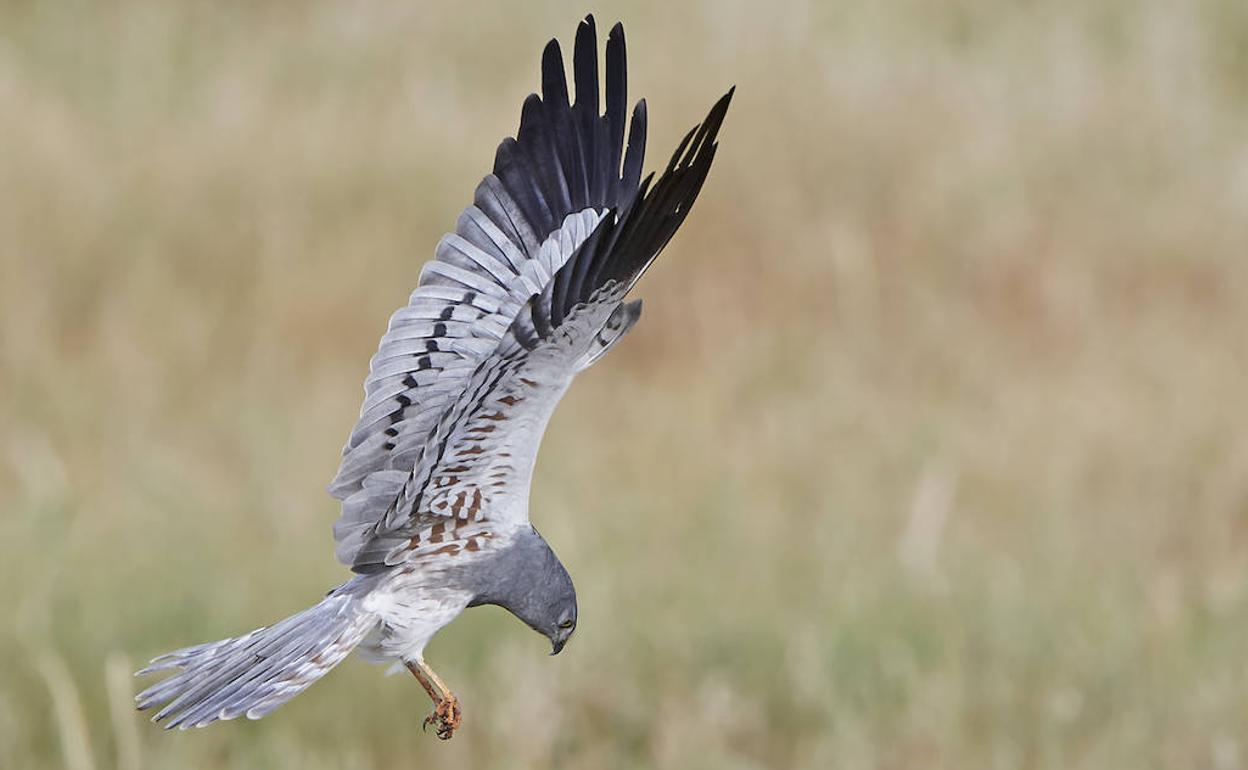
412	608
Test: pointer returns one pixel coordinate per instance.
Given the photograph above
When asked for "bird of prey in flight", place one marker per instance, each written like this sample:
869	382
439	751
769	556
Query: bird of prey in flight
528	291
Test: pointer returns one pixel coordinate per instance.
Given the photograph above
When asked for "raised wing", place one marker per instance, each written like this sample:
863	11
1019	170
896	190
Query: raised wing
546	193
479	461
523	295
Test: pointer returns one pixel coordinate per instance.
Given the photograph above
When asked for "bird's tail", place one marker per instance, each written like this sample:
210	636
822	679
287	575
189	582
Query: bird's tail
257	672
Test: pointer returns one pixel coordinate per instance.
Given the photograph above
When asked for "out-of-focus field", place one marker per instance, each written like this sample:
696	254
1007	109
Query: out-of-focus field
930	451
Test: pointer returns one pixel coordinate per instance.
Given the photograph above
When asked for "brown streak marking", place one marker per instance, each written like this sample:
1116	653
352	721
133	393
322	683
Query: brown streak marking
472	545
476	450
450	550
482	429
495	416
527	381
510	400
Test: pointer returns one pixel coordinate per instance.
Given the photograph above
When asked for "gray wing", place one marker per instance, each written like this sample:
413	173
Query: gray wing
548	189
477	464
468	374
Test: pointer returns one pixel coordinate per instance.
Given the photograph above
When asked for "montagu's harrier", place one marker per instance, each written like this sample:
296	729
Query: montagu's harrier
527	292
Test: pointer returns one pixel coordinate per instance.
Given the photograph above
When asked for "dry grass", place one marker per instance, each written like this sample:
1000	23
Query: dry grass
931	451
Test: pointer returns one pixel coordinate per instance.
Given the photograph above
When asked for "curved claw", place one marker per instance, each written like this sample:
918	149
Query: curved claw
446	714
447	717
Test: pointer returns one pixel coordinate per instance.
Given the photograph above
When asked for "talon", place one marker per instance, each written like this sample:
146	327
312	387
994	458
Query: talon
448	717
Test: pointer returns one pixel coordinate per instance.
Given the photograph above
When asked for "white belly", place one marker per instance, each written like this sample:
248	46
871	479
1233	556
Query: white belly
411	612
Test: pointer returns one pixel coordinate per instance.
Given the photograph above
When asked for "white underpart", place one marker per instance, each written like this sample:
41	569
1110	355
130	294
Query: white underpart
412	608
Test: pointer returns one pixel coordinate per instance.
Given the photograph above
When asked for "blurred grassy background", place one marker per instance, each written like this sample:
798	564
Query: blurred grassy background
931	450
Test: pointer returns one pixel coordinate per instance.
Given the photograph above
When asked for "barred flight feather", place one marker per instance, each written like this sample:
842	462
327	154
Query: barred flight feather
551	186
258	671
527	291
490	431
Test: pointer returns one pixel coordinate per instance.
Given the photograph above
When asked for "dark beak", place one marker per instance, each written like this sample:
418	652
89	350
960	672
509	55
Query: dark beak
556	646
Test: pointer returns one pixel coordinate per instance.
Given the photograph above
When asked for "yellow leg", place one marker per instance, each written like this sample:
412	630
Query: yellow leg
446	712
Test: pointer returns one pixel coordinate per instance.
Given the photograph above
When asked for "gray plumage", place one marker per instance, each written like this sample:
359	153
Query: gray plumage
257	672
527	292
530	582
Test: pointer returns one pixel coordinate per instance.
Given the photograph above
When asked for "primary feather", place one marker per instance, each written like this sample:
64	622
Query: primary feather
549	187
564	221
527	291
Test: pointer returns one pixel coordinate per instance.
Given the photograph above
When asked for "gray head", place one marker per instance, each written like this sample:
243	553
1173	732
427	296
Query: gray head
527	580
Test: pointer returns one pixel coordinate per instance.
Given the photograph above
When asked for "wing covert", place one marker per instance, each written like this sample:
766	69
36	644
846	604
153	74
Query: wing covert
550	186
478	462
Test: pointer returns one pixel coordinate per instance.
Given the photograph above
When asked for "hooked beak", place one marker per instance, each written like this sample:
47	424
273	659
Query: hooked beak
555	647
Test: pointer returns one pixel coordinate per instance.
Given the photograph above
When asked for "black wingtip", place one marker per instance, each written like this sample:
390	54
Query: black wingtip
720	108
585	66
530	120
554	81
715	118
707	132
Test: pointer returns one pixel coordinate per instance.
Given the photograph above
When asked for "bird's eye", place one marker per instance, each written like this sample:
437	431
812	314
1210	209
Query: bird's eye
565	625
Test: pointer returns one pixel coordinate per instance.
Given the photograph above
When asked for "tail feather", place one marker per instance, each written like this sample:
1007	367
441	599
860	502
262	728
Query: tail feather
255	673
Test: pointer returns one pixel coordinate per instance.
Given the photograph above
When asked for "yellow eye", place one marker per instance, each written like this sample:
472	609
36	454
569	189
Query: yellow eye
566	624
